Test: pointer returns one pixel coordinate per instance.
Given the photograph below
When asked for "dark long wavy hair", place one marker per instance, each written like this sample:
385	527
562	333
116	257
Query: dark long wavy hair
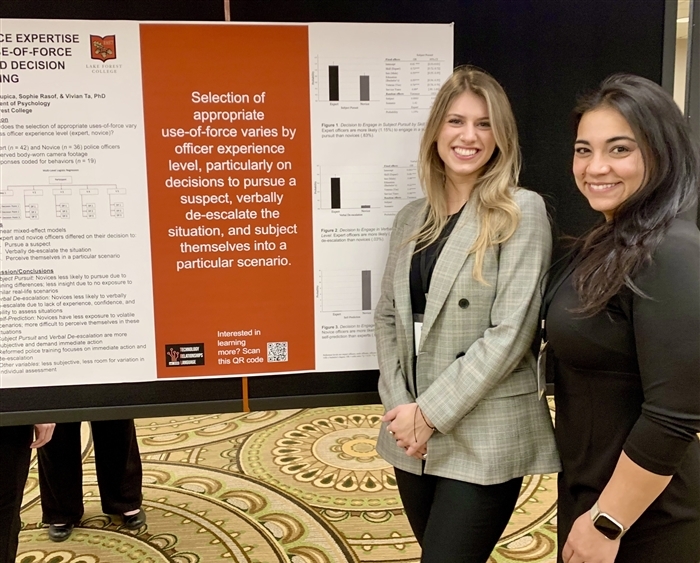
612	254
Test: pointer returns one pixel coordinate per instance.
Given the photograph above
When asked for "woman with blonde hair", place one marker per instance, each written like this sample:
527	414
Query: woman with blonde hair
460	298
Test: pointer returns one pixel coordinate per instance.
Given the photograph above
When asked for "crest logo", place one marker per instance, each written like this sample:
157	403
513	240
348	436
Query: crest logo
103	48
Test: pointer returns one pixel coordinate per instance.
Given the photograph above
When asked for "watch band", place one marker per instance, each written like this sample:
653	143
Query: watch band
606	524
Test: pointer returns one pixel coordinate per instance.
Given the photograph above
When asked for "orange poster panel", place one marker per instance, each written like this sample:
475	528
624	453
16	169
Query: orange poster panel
228	151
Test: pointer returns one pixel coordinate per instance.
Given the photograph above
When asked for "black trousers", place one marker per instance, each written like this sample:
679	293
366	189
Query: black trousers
454	521
117	462
14	466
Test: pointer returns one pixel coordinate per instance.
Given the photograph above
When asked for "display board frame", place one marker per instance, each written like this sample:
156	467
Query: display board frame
545	54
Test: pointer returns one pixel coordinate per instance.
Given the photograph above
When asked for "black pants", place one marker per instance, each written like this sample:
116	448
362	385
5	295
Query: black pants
454	521
117	462
14	466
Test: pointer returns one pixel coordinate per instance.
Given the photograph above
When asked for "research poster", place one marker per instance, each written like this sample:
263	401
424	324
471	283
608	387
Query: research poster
202	200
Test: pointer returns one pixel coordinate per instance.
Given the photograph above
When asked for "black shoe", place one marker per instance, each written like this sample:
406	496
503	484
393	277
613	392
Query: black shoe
60	532
134	521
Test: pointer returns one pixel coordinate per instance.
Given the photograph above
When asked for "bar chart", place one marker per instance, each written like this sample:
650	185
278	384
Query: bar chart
348	291
348	79
395	83
386	187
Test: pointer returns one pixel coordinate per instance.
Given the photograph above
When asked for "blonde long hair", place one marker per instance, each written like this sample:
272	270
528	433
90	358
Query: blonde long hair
497	212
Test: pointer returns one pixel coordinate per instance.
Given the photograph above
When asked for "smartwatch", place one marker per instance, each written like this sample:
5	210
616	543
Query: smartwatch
606	524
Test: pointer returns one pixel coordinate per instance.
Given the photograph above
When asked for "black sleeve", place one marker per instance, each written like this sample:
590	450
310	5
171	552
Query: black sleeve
667	335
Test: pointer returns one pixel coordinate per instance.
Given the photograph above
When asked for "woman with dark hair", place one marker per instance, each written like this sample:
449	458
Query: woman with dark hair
623	329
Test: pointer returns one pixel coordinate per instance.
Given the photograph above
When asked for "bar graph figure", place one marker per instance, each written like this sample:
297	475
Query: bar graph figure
335	193
366	290
364	88
347	291
350	80
385	187
333	84
361	188
394	83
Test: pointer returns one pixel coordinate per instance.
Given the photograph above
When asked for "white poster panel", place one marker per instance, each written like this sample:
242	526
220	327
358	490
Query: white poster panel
75	281
145	231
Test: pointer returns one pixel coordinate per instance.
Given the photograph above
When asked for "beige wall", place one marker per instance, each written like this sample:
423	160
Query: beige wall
679	76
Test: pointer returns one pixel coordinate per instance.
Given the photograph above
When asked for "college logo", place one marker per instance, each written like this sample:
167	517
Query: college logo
184	354
103	48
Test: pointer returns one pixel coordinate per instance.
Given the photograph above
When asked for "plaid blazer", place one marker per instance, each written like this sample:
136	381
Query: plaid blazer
476	376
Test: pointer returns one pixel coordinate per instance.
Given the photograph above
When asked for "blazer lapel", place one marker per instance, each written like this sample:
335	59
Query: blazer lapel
449	264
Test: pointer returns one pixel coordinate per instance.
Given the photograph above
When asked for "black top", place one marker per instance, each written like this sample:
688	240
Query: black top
423	264
422	267
628	379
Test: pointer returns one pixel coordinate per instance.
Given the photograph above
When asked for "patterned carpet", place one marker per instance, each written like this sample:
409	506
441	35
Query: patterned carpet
295	486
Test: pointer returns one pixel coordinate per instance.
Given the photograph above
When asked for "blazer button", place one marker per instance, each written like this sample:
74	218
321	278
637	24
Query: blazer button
463	303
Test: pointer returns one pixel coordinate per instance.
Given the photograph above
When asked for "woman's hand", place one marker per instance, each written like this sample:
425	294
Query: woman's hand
585	544
42	434
422	452
400	423
409	429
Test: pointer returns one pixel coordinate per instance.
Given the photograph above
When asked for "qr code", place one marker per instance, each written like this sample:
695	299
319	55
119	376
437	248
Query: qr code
277	352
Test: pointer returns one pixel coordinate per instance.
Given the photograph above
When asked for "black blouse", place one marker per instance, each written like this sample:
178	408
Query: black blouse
628	379
423	264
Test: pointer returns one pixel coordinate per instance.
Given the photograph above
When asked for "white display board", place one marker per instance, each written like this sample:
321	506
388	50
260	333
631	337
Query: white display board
202	200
